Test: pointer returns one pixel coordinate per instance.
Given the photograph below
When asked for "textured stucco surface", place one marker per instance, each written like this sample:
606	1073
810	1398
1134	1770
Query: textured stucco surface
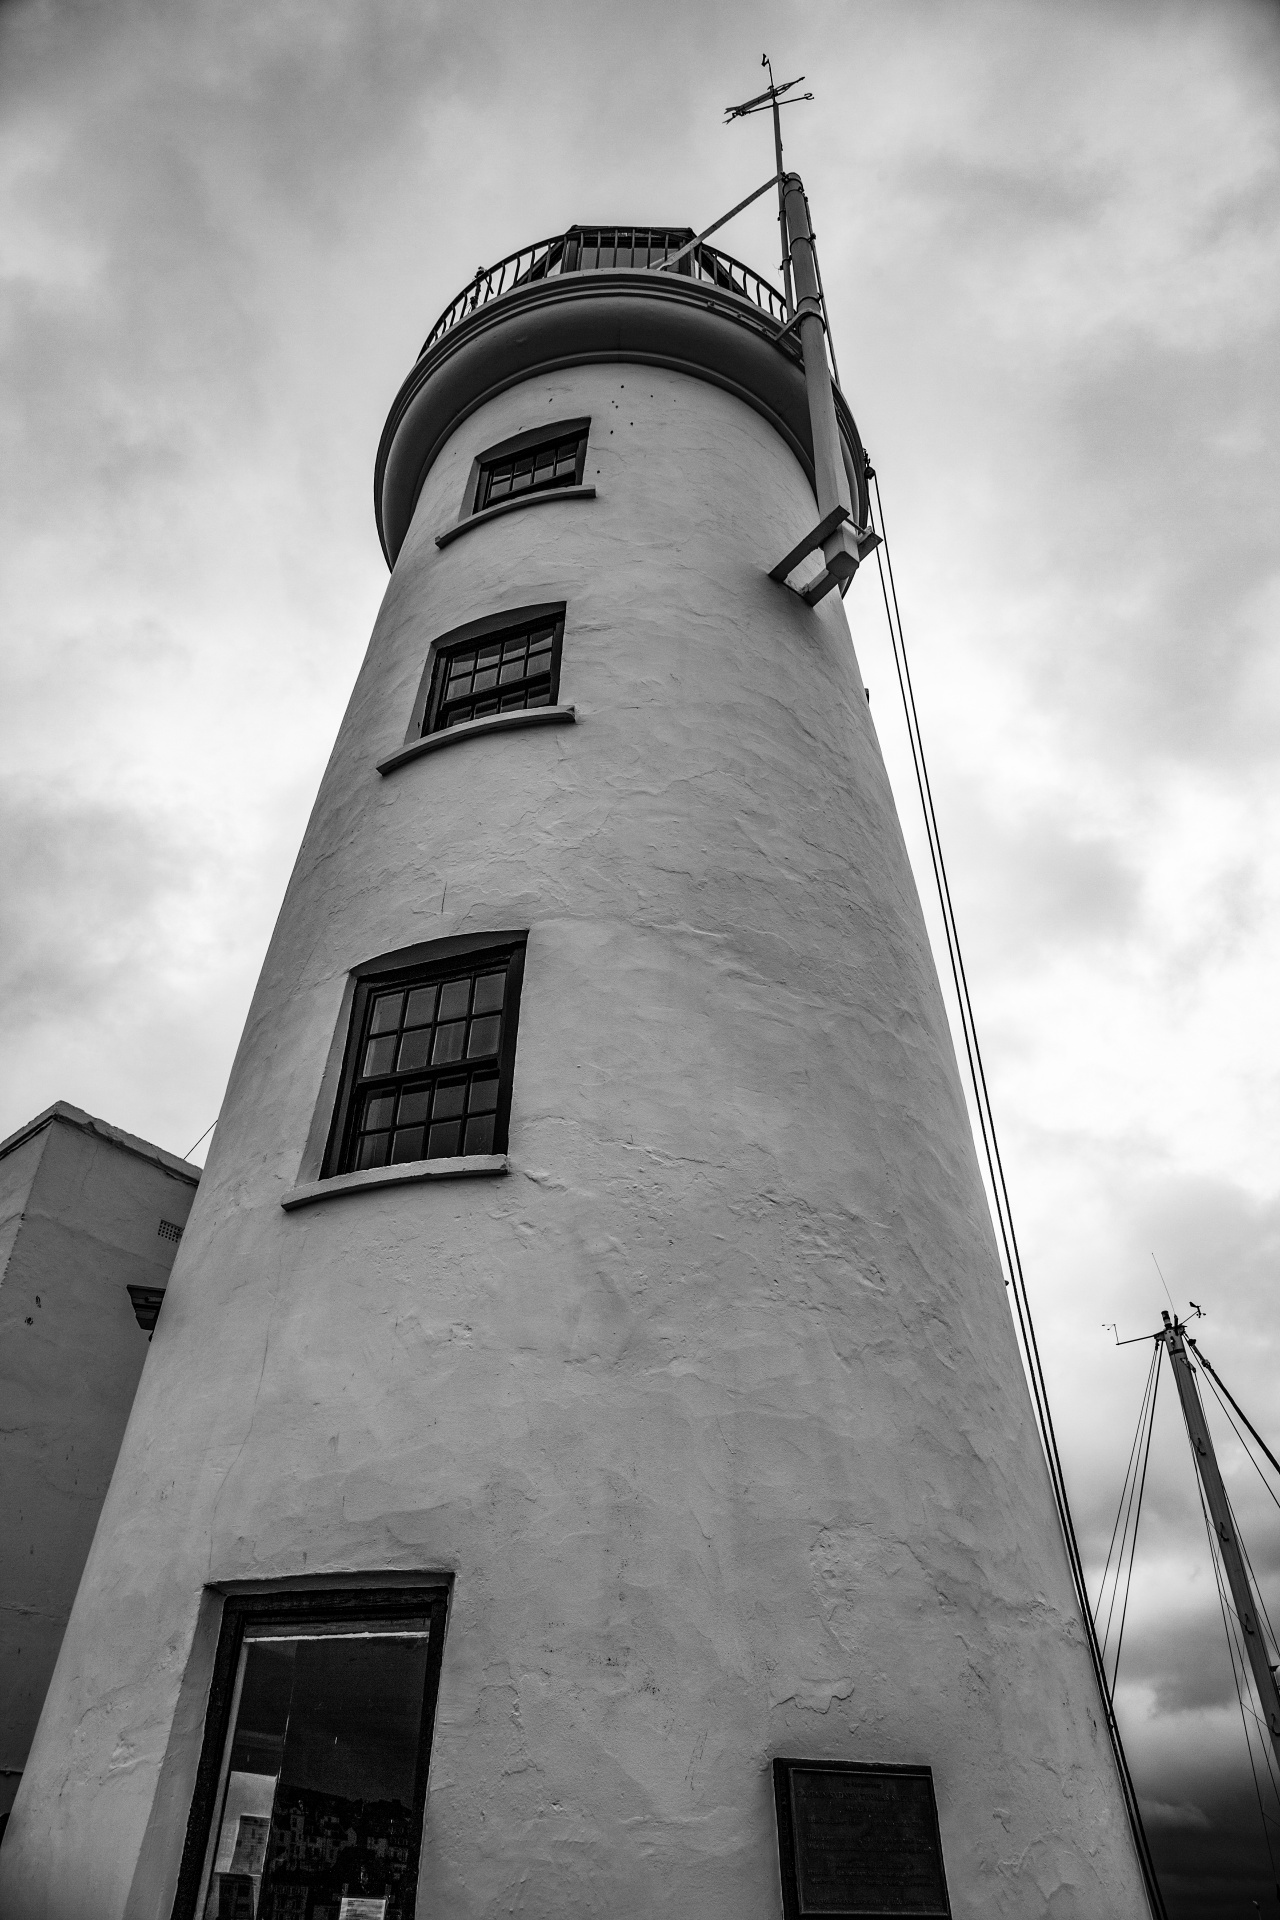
79	1219
712	1406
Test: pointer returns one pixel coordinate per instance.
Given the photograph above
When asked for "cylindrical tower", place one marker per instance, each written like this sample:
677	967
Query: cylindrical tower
586	1380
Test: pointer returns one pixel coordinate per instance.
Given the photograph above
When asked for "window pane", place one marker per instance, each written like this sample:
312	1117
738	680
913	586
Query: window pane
454	998
483	1037
480	1133
379	1055
379	1112
448	1043
373	1150
444	1140
386	1013
449	1099
413	1107
257	1750
407	1145
343	1815
413	1050
490	988
422	1006
483	1097
512	670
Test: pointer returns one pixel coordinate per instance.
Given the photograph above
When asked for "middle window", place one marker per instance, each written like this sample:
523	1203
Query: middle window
429	1061
504	672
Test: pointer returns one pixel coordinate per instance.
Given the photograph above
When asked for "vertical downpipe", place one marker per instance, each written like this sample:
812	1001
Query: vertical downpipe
840	549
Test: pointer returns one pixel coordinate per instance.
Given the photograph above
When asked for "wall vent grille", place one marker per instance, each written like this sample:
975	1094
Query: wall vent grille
169	1230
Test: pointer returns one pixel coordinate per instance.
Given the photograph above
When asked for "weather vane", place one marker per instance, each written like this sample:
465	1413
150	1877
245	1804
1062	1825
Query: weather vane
771	98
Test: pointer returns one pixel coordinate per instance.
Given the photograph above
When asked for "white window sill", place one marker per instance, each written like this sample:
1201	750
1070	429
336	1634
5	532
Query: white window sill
512	506
468	729
465	1166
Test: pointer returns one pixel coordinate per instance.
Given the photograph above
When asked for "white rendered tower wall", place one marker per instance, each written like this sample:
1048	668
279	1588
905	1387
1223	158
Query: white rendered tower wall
707	1398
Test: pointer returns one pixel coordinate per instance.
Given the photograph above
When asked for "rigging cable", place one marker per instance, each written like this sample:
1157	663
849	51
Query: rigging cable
1000	1195
1234	1651
1214	1375
1124	1611
1126	1502
1244	1444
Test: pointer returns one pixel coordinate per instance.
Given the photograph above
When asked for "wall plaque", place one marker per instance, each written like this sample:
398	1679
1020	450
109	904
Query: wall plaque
858	1842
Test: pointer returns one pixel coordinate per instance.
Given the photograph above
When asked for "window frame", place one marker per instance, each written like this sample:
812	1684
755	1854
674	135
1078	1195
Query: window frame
517	443
418	966
788	1862
511	620
285	1607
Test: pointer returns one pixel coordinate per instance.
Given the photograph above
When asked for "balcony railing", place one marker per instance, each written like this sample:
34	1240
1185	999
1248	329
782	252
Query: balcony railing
595	249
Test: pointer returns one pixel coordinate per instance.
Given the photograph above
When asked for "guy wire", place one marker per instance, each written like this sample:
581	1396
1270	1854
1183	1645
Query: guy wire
1003	1209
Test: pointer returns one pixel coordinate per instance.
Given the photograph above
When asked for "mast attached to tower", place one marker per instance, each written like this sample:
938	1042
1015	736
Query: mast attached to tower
1215	1494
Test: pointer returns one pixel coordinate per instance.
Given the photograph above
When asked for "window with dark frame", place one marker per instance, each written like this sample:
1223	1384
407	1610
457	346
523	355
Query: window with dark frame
508	671
858	1842
311	1787
430	1059
554	462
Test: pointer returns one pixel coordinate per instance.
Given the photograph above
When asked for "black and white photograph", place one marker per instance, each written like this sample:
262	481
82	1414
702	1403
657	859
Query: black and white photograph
639	937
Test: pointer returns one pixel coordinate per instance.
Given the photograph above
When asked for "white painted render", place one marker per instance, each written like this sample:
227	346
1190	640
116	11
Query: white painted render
712	1404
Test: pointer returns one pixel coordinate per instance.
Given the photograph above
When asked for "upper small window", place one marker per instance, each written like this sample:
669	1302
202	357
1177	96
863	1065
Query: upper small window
536	468
503	672
429	1060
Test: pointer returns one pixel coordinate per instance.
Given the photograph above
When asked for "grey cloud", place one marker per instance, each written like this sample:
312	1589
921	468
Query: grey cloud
81	891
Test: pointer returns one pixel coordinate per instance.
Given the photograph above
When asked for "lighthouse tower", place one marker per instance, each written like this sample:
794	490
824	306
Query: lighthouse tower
583	1465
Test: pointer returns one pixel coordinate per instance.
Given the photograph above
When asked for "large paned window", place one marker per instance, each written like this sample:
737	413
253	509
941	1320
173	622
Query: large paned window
312	1782
858	1842
430	1058
505	671
537	467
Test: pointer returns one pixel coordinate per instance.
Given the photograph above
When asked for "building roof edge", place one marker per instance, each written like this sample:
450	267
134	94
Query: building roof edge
170	1163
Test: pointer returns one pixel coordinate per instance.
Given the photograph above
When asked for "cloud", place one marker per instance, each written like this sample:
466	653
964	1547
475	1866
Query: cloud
1051	245
83	893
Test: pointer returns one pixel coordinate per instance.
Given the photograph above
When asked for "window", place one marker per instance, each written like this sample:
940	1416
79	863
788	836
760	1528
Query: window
533	468
430	1057
312	1783
858	1842
503	671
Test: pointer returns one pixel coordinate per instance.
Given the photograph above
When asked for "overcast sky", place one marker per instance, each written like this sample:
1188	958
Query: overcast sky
1051	242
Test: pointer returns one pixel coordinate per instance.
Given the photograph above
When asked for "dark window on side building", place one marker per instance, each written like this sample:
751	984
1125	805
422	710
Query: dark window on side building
858	1842
534	468
506	671
430	1058
312	1780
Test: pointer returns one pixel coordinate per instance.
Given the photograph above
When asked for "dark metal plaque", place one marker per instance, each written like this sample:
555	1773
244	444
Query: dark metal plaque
859	1843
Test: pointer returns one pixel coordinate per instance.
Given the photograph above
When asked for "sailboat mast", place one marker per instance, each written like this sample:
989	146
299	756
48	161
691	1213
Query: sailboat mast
1215	1494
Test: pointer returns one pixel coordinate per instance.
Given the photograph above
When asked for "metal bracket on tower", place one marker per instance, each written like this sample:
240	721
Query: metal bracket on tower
836	573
